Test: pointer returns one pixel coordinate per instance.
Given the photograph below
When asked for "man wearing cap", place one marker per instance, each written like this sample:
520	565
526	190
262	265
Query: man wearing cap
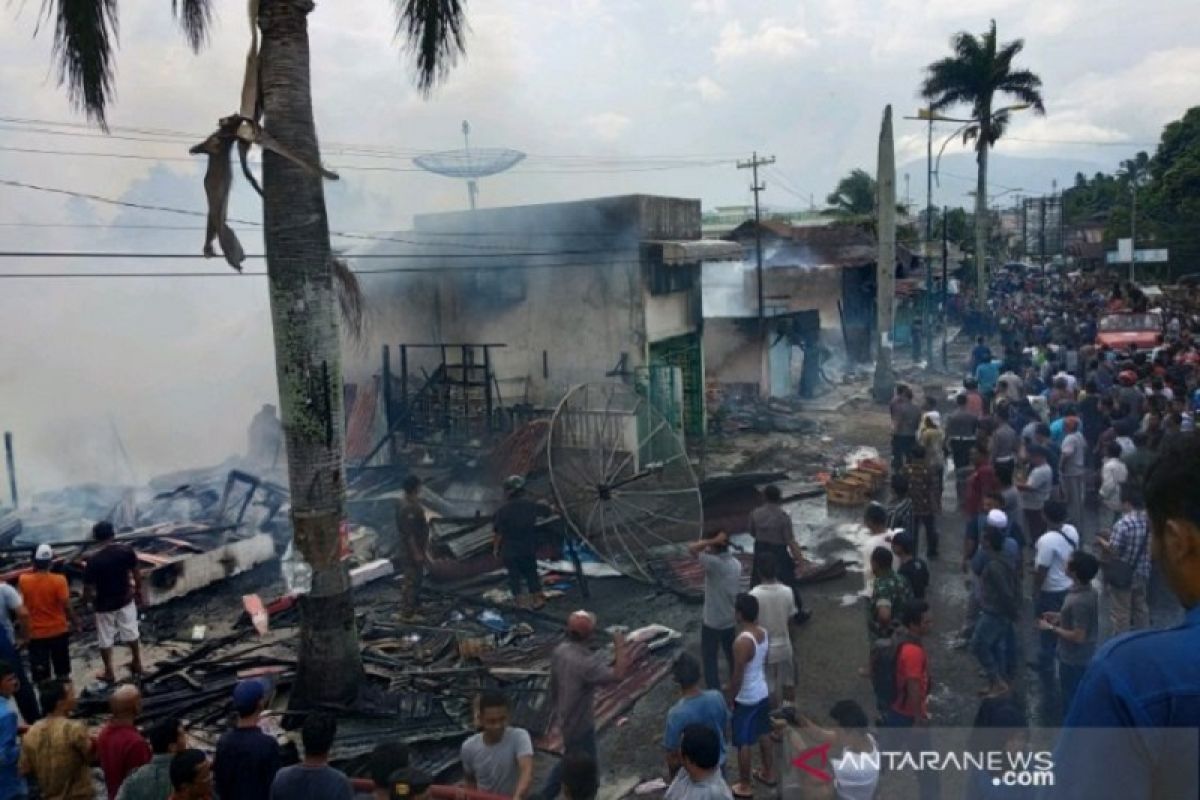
51	617
999	606
516	541
408	551
410	783
575	672
247	759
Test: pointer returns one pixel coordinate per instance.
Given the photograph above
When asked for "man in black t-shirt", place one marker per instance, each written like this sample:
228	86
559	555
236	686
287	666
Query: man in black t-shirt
247	759
112	586
516	540
911	568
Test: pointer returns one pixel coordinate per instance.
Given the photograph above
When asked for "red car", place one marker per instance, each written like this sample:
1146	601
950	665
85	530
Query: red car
1142	330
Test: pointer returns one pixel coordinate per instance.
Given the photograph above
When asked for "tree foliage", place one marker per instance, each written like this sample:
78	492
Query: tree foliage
854	195
980	69
1168	196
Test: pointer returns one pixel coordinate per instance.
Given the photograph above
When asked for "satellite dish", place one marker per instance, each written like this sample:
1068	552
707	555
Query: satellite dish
470	164
621	476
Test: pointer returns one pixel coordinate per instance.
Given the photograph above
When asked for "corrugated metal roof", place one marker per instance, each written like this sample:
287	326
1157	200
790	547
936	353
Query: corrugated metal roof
694	251
361	425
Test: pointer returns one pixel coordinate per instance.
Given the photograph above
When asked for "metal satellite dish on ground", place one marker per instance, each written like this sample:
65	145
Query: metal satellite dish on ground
621	476
470	164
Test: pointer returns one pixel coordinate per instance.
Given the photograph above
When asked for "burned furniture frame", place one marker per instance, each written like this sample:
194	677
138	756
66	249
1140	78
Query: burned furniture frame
459	400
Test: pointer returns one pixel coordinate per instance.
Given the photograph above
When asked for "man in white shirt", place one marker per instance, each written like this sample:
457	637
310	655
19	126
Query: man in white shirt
1113	475
1035	491
1050	579
498	759
1071	468
878	535
776	608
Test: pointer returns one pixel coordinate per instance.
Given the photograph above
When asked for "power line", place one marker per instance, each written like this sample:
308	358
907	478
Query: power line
564	170
194	228
500	252
233	274
156	135
1082	142
428	256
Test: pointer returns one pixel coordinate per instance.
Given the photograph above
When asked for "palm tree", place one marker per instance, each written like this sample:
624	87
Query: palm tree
854	195
300	267
979	69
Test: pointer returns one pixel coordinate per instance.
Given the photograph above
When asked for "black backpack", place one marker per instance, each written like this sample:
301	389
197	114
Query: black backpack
885	654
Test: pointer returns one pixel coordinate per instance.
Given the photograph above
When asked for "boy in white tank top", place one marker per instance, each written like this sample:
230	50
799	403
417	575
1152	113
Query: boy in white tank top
748	697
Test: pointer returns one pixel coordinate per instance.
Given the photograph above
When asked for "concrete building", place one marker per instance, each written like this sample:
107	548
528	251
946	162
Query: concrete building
818	295
560	293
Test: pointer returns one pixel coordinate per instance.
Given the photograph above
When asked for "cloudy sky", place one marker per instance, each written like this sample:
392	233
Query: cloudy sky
606	97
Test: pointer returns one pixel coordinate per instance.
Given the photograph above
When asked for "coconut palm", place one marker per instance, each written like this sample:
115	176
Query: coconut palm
854	195
980	68
300	268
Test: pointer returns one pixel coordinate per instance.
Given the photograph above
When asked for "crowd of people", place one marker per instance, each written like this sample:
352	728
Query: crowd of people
1073	466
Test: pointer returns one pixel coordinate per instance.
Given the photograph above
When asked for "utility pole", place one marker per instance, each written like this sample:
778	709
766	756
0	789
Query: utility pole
1133	228
885	273
12	468
1042	232
945	286
753	164
928	326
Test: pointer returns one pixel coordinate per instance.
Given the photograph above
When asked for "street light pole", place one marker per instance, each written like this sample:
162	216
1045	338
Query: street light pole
928	326
1133	230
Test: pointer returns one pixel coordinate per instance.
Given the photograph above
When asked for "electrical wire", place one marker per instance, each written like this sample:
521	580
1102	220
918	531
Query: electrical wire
498	251
233	274
567	162
432	234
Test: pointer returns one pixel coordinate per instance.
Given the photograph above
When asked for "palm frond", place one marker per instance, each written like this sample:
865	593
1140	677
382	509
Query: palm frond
85	33
1025	86
435	32
351	300
195	17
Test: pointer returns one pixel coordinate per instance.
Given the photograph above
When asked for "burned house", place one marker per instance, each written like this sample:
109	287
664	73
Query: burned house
507	308
818	296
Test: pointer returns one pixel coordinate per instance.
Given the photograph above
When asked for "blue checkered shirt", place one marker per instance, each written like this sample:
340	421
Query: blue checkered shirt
1130	542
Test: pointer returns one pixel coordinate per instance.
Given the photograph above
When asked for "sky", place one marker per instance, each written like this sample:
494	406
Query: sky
605	97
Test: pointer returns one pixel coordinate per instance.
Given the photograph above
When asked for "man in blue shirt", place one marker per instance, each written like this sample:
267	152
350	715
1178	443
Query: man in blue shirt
693	707
12	785
1135	722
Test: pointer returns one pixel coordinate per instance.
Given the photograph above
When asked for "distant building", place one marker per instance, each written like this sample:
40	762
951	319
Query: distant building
818	294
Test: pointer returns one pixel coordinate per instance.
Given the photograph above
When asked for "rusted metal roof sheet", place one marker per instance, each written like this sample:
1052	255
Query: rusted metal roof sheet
695	251
361	425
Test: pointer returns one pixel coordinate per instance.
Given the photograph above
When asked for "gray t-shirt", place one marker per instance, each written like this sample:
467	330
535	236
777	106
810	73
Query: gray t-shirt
494	766
10	601
712	787
1012	505
1041	481
1074	451
770	524
1004	442
324	782
722	574
1080	610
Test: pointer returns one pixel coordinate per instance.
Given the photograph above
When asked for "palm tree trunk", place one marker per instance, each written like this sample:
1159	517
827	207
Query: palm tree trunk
981	226
307	356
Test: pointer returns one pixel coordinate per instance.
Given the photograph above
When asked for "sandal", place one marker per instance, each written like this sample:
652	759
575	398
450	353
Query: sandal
742	792
758	776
